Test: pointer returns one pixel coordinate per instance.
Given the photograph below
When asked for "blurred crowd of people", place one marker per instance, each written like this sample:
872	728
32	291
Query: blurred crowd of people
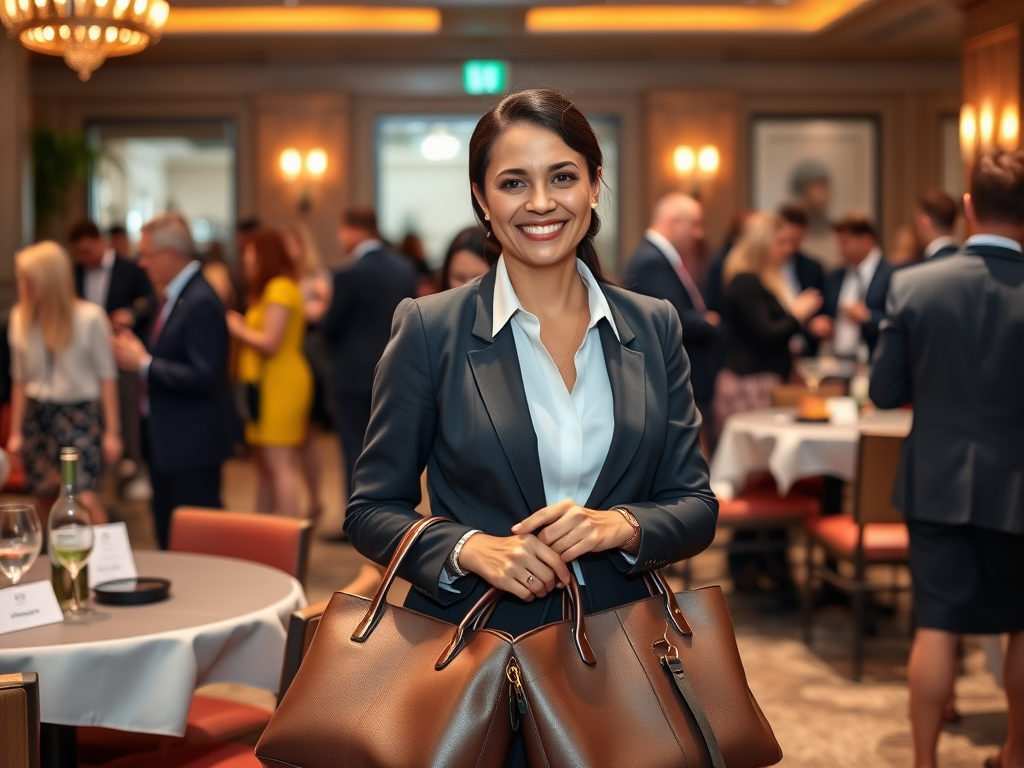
159	364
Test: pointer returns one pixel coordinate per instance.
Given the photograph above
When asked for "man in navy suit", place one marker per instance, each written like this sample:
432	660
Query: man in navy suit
934	221
358	323
121	287
186	401
854	303
658	268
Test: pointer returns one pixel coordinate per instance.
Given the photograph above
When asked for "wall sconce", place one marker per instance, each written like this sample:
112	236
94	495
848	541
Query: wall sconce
1009	127
305	171
986	126
968	132
695	168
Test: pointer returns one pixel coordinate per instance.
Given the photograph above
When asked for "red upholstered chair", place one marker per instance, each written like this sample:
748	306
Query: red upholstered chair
15	482
278	542
761	510
301	627
873	535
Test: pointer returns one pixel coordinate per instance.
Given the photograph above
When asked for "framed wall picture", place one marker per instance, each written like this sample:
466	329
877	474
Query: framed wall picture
830	165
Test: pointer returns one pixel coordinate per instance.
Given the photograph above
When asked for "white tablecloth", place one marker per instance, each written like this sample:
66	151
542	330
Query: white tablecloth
773	440
135	668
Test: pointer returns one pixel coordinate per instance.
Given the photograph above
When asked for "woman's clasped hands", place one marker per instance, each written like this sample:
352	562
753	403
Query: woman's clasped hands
532	561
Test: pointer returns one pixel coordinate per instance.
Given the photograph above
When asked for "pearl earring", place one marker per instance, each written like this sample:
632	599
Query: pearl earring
594	205
487	217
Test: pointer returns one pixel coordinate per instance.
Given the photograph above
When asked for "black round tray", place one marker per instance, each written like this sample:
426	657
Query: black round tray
138	591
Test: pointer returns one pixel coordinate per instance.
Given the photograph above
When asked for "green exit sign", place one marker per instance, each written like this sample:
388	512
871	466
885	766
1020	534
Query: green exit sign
482	77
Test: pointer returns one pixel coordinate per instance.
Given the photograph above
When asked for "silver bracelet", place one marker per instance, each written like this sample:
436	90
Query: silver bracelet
453	559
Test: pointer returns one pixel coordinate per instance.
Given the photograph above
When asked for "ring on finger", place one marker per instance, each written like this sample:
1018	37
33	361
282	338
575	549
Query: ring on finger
529	579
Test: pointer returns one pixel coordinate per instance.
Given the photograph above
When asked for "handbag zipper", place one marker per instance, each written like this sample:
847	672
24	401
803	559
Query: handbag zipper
516	695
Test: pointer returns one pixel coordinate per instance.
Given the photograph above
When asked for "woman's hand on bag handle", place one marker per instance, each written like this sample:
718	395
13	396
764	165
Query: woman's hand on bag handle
572	530
520	565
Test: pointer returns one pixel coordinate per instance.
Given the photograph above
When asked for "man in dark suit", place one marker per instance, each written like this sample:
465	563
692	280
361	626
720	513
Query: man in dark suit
934	221
121	287
658	268
183	368
951	345
801	272
854	303
358	323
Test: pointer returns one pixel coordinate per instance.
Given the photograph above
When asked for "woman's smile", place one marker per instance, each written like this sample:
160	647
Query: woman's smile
541	230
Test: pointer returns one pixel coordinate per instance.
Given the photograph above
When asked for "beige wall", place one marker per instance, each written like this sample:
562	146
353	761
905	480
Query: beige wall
659	104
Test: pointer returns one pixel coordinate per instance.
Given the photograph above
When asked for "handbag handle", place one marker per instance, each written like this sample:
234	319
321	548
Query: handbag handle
481	613
658	585
373	614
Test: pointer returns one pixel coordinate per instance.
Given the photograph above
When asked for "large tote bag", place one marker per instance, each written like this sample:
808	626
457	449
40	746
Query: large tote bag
657	682
368	694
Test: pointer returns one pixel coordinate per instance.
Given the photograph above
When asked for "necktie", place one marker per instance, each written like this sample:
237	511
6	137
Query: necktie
158	324
690	286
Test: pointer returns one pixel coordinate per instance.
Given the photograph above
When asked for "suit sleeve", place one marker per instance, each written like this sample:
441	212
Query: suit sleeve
679	519
890	372
386	481
206	346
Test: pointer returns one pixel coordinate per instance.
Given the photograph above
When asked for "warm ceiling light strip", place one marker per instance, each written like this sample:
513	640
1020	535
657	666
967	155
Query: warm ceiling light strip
798	17
303	19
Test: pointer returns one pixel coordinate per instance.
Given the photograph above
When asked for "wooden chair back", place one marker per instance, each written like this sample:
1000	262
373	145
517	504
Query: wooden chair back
280	542
789	395
19	720
878	461
302	625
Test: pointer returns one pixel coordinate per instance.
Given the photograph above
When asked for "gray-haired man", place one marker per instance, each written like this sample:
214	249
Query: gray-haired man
182	362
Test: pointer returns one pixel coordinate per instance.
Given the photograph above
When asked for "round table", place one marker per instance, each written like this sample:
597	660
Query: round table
773	440
135	668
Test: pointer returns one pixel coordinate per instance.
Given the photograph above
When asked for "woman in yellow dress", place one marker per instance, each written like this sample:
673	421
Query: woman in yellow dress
272	360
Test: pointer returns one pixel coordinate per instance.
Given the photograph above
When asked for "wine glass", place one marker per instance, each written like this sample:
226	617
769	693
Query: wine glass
71	539
21	539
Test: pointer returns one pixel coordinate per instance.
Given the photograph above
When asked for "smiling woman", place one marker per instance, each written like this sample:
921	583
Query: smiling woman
552	409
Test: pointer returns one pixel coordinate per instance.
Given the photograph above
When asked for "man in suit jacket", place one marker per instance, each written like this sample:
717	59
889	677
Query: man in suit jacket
854	297
658	268
951	345
934	221
358	323
121	287
183	368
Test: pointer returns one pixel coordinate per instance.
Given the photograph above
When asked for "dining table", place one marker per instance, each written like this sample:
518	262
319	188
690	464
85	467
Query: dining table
135	668
775	440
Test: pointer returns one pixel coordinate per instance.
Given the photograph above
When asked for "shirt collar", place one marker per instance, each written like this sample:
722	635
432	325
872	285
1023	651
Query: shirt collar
869	265
365	247
107	262
937	245
662	244
506	303
994	240
177	285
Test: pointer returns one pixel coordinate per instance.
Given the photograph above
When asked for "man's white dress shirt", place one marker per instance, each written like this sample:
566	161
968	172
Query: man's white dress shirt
847	336
96	282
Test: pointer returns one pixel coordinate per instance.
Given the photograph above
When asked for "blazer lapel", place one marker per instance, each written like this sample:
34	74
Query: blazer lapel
500	382
628	378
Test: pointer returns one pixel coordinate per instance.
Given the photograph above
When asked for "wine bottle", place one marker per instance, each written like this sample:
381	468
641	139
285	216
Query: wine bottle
68	498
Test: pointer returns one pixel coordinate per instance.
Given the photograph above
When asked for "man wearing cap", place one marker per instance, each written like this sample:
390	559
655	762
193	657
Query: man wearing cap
854	296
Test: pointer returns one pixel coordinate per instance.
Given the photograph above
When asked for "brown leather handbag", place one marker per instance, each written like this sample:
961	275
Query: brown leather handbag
657	683
367	693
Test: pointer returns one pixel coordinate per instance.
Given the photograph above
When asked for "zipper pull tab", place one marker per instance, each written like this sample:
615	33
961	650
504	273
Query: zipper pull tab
516	695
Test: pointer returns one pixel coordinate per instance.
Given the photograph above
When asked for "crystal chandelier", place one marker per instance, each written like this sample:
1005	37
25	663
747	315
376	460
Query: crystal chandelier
84	32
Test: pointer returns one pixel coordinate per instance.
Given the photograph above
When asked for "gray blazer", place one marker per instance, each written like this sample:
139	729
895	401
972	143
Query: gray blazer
448	396
953	345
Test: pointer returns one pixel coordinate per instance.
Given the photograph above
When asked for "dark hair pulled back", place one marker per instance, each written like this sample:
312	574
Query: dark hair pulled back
549	110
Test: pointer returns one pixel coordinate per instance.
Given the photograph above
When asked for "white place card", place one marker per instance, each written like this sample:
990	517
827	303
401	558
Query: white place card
111	554
28	605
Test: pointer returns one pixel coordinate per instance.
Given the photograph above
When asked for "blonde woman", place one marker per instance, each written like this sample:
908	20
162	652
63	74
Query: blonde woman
761	315
64	379
317	288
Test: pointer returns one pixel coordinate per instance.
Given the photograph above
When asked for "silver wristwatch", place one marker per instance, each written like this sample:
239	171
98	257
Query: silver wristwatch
452	565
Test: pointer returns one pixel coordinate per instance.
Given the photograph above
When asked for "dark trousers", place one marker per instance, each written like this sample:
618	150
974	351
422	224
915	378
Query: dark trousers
351	417
193	488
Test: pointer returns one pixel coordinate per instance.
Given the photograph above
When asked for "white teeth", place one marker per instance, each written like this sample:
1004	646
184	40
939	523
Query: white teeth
545	230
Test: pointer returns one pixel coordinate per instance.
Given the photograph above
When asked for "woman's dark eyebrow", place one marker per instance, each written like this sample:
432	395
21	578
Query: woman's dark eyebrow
522	171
